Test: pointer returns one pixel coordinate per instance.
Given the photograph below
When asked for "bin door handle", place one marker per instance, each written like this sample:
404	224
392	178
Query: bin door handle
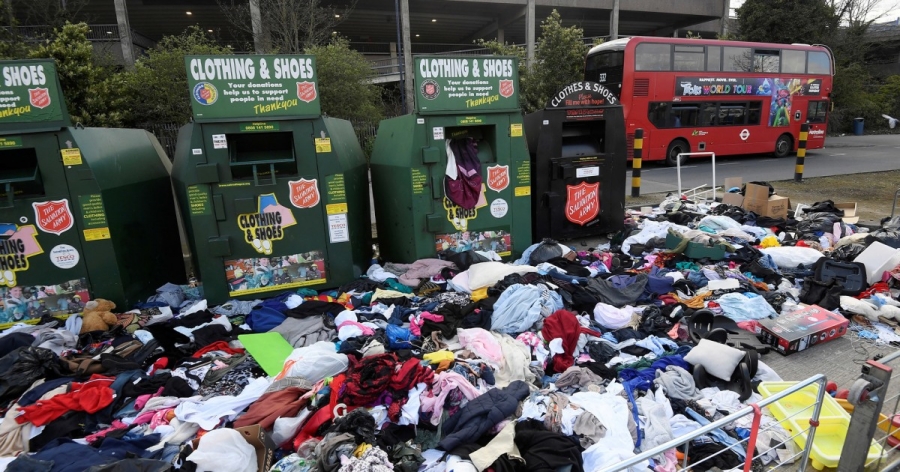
271	173
9	196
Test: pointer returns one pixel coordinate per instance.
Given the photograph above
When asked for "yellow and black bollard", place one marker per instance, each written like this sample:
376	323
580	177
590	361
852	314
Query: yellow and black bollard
801	152
636	162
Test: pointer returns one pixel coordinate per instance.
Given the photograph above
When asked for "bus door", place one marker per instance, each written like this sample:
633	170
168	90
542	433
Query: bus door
817	118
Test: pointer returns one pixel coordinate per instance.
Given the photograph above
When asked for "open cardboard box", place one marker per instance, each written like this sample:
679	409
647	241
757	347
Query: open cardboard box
849	212
757	200
260	440
735	199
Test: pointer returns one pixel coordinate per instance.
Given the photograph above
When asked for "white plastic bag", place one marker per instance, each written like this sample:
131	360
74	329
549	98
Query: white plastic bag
789	257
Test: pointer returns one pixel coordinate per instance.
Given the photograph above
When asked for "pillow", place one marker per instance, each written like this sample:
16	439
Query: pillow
718	359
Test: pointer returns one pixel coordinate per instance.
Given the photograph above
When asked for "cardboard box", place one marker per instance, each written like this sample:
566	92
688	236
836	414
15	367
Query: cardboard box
802	329
757	200
261	442
735	199
849	212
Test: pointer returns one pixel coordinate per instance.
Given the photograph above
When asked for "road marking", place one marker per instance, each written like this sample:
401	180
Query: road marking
728	164
844	154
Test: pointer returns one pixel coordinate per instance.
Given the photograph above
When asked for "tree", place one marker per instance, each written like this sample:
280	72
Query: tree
344	82
779	21
93	94
559	61
287	26
157	88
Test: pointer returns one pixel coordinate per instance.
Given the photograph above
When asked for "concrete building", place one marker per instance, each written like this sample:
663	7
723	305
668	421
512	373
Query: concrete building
434	25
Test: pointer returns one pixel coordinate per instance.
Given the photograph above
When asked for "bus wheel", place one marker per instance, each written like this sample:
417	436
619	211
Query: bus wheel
784	145
677	147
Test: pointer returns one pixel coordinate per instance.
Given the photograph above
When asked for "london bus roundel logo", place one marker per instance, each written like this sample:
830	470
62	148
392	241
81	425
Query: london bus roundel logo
745	133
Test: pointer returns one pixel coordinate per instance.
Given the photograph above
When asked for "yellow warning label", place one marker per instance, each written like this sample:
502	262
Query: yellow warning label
523	191
71	157
323	145
96	234
515	130
336	208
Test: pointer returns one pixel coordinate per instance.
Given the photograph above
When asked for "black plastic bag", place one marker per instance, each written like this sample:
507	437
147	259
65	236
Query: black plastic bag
825	294
20	368
848	252
544	252
463	259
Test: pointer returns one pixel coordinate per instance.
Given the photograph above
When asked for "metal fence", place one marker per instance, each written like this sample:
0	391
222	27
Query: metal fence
755	451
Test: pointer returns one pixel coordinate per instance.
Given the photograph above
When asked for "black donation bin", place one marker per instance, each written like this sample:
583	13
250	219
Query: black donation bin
577	146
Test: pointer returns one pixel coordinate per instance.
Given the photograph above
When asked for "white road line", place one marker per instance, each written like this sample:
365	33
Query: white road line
844	154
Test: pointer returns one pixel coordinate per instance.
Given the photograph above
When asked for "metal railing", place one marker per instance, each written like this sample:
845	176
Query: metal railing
698	154
749	451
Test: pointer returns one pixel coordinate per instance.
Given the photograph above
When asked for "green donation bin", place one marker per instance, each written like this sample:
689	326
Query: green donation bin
456	174
274	195
85	212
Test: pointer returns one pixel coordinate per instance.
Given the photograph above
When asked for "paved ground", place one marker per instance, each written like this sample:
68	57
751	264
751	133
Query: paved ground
842	155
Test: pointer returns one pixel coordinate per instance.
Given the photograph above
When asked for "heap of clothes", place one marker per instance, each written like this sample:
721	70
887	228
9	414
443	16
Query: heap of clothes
563	360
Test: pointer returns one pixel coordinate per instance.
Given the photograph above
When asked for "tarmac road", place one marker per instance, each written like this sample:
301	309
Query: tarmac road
841	155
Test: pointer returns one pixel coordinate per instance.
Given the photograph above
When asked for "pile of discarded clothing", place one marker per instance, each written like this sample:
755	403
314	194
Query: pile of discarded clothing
562	360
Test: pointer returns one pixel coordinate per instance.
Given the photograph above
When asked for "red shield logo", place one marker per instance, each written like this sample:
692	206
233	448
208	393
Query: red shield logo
506	88
306	91
582	202
53	217
498	177
304	193
40	97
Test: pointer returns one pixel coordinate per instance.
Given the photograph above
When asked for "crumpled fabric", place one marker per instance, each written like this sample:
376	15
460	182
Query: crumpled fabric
521	306
373	460
564	325
367	379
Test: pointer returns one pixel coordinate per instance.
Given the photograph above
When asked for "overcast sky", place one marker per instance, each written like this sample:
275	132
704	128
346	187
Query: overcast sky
890	9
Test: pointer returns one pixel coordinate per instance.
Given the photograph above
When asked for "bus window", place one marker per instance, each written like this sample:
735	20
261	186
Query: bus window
658	113
653	56
737	59
708	115
816	112
689	58
732	113
766	60
714	58
755	113
818	63
605	67
793	62
674	115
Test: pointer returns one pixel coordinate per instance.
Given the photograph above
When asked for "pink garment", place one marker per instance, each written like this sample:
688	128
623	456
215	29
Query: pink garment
367	331
144	417
483	344
116	424
752	326
433	400
142	400
422	269
159	418
417	321
671	464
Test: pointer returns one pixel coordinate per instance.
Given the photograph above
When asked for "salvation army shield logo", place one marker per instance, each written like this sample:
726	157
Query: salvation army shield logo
53	217
40	97
498	177
304	193
306	91
582	202
506	88
430	89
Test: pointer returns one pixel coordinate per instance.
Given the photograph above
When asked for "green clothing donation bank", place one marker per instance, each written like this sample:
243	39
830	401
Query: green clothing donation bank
274	195
456	174
84	212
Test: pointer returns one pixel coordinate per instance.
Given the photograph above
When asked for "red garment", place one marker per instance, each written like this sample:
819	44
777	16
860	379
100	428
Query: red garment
409	374
324	414
563	324
273	405
217	346
91	397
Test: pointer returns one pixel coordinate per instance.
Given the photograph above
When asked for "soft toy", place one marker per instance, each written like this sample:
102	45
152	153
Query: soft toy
98	316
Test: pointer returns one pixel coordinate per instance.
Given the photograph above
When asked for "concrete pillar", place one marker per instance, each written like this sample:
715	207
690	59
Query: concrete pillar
614	21
260	44
125	33
725	16
409	74
500	38
393	47
529	33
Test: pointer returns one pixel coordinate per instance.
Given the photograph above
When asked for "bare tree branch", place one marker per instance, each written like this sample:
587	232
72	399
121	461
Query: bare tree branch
289	26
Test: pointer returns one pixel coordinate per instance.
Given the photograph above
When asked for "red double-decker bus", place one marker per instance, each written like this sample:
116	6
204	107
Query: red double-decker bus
727	97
